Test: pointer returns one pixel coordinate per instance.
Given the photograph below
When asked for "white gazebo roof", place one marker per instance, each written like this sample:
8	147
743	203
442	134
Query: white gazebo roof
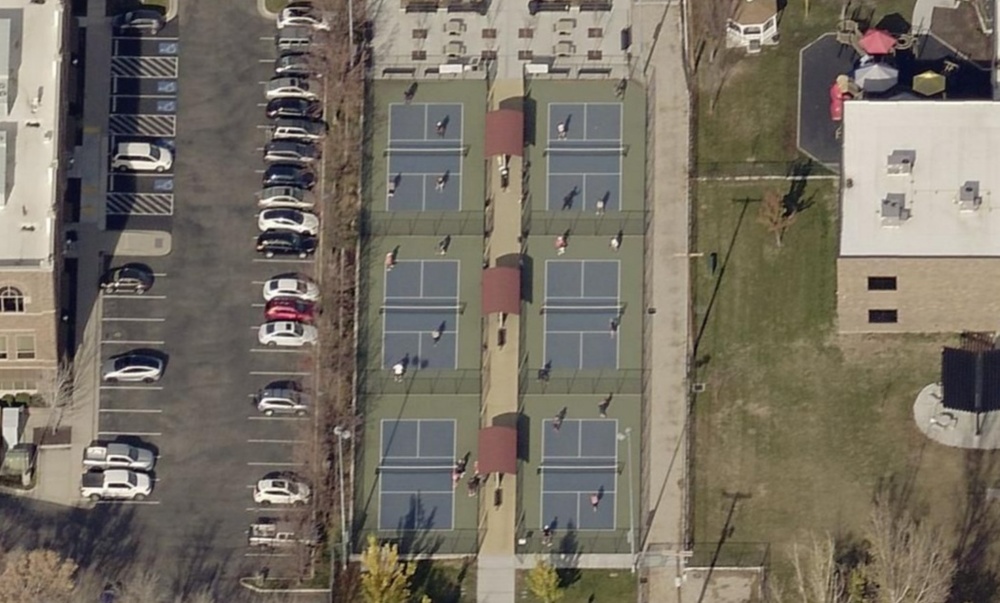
755	12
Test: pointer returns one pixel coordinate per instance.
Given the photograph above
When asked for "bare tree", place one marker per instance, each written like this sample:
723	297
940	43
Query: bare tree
908	563
776	216
38	576
56	390
818	576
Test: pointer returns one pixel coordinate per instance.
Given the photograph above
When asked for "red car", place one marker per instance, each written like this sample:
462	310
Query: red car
284	308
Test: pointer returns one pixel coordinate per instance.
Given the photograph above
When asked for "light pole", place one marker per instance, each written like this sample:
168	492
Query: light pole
342	434
627	436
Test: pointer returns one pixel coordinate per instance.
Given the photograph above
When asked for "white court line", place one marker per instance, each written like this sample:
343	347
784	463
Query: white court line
131	342
276	441
141	434
288	464
142	296
280	373
149	387
124	319
140	411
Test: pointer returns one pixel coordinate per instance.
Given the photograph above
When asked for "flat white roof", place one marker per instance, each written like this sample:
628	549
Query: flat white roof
950	143
33	94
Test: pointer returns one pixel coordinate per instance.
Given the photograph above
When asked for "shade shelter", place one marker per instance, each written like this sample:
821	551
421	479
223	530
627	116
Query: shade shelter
877	77
505	133
497	450
502	290
970	382
754	24
929	83
877	42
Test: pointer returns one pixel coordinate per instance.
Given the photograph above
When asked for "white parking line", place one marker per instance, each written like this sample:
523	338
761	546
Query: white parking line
131	342
280	373
143	296
290	464
257	282
141	411
261	418
281	351
138	434
124	319
276	441
159	274
149	387
256	305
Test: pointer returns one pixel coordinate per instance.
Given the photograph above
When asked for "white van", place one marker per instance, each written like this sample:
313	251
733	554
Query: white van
141	157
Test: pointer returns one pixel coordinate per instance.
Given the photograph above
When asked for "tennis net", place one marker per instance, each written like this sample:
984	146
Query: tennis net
462	150
416	468
615	467
605	310
595	151
458	308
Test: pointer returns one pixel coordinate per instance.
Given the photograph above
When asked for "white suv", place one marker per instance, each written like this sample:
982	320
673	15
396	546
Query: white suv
281	488
142	157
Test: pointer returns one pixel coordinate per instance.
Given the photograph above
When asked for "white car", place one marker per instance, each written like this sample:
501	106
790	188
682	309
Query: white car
289	87
282	401
295	287
132	367
288	219
120	484
301	13
281	489
286	333
141	157
286	196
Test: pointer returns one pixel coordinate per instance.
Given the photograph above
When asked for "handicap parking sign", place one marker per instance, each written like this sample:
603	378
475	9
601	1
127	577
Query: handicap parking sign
163	185
166	86
166	106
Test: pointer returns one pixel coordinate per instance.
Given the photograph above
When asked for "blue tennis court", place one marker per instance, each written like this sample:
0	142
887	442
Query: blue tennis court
582	314
415	486
585	162
424	162
420	315
579	461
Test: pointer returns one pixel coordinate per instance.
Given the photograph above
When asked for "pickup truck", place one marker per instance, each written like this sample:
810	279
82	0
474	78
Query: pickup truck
115	484
118	456
268	533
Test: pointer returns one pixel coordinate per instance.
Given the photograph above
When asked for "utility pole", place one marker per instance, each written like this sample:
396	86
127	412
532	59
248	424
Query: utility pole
627	436
345	538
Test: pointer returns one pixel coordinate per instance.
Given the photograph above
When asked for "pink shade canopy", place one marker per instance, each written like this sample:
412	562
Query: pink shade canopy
876	41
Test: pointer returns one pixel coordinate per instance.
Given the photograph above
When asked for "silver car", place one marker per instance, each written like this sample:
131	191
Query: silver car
290	150
286	196
297	129
287	401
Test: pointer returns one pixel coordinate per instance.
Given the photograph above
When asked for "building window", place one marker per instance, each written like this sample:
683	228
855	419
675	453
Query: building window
882	316
3	348
881	283
11	300
25	345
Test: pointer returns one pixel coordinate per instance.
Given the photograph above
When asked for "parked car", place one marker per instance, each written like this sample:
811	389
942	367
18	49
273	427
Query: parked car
286	196
288	219
117	484
290	151
285	242
289	87
285	333
291	286
139	21
295	38
301	13
289	308
117	455
132	367
285	128
286	401
299	64
288	174
128	278
281	488
141	157
301	108
270	533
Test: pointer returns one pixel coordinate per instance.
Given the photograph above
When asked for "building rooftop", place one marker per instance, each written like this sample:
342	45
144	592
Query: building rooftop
920	178
30	71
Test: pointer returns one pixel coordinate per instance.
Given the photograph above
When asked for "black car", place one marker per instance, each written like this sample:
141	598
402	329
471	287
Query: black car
128	278
284	242
290	151
288	174
294	107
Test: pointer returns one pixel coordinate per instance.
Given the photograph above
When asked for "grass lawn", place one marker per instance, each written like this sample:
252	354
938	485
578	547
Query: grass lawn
799	422
275	6
445	581
589	586
754	118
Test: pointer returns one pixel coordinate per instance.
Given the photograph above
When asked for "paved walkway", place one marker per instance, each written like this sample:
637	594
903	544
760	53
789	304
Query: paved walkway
665	435
923	12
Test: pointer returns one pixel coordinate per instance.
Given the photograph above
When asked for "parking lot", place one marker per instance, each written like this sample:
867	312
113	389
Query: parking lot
204	308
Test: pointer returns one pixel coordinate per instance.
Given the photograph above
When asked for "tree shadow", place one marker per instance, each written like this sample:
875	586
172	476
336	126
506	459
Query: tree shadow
977	575
568	553
794	200
432	580
413	536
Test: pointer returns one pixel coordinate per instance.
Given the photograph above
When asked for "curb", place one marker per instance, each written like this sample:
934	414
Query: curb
171	10
248	583
262	9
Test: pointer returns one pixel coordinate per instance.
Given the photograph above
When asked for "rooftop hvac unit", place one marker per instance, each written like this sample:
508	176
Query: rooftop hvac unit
968	196
894	210
901	162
